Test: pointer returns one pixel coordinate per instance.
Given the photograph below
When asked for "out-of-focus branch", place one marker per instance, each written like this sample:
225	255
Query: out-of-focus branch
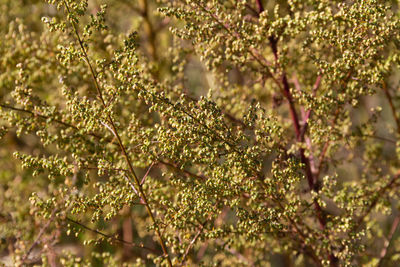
260	6
149	29
391	105
389	240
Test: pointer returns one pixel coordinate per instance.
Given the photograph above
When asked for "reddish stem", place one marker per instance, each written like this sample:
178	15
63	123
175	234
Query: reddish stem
313	185
260	6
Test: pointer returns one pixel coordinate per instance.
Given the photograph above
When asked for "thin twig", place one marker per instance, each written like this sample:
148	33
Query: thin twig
122	147
379	138
253	51
132	186
41	232
147	173
110	236
375	200
185	172
191	244
44	117
300	234
231	117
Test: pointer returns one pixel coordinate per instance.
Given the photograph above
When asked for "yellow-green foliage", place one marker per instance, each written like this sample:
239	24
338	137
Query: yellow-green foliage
199	133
